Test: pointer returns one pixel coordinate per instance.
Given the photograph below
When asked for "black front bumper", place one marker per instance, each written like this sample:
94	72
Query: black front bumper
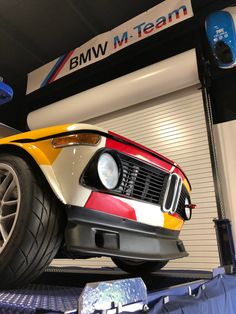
96	233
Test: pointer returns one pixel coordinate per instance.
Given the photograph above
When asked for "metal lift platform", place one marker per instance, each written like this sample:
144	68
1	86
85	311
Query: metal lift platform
58	289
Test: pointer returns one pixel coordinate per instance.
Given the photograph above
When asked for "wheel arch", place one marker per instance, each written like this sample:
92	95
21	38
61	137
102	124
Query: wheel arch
22	152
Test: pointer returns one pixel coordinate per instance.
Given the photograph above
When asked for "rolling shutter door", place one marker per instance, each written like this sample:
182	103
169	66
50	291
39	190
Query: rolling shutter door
175	126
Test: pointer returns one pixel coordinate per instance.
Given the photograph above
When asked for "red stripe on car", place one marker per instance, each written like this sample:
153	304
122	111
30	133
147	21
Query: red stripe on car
111	205
140	153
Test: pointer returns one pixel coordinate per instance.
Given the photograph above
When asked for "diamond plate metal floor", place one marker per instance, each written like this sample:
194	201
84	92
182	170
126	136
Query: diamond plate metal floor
36	298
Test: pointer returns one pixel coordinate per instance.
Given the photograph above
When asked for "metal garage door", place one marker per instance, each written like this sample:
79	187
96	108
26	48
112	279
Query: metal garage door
175	126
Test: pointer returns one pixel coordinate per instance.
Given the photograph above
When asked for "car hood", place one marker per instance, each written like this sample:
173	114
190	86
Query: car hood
40	134
45	133
142	147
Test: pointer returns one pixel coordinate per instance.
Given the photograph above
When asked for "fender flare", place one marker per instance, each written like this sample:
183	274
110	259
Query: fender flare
36	157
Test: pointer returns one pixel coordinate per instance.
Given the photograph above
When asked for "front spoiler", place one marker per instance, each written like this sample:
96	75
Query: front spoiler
99	234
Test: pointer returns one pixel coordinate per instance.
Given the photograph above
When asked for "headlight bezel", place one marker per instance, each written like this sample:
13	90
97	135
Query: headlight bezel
90	177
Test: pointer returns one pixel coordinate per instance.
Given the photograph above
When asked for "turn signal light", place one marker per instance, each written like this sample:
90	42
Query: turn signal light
76	139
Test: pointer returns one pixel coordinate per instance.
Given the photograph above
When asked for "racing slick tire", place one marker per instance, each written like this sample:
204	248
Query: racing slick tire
31	222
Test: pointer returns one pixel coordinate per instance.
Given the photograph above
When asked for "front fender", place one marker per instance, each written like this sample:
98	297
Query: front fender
39	154
62	167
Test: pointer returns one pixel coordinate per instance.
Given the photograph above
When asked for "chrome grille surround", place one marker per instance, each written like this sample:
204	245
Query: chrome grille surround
172	193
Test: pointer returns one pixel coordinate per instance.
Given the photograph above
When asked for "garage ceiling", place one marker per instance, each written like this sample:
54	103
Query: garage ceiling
34	32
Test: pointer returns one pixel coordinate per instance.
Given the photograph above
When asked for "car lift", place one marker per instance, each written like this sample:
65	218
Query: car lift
42	297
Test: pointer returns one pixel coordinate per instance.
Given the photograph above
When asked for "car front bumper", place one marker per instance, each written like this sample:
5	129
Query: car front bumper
90	232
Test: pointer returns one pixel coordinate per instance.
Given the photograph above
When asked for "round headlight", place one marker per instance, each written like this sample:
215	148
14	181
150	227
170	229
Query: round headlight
188	210
108	171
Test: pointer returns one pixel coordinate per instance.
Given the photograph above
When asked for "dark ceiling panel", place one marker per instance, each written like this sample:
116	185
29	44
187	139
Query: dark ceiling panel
14	56
109	14
8	6
52	26
43	29
48	29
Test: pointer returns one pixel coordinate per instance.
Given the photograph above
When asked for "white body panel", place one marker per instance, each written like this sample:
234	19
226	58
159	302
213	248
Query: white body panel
146	213
226	153
64	174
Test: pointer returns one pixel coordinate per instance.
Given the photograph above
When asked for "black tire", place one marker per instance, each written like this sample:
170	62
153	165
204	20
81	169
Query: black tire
137	267
37	229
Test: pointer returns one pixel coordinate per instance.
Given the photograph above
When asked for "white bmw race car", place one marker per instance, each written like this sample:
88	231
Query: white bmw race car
87	192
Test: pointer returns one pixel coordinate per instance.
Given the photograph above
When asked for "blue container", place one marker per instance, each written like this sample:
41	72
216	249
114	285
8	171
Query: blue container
6	93
220	31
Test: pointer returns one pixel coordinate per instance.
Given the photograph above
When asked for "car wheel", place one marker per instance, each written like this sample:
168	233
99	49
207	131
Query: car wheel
31	222
138	267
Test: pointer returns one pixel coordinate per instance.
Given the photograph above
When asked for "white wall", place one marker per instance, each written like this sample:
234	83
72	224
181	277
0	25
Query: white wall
225	134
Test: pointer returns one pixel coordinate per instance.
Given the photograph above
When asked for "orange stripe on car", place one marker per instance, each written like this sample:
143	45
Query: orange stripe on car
42	152
171	222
